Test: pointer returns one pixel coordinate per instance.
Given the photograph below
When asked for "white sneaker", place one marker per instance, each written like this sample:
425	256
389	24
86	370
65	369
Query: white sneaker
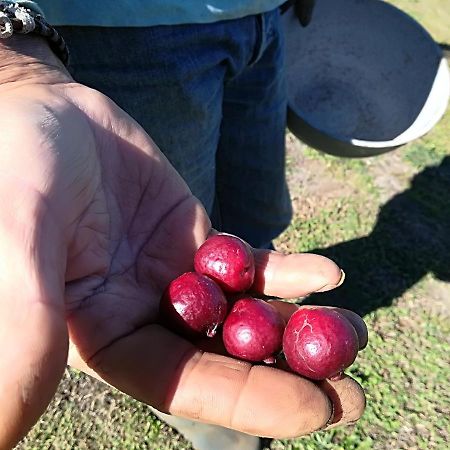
210	437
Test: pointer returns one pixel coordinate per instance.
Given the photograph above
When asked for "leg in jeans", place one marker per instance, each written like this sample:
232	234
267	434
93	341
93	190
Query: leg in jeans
172	81
252	195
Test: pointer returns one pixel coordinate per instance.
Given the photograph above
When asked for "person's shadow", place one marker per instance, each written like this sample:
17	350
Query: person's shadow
410	239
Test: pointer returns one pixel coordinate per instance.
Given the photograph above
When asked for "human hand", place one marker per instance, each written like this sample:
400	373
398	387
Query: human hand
95	223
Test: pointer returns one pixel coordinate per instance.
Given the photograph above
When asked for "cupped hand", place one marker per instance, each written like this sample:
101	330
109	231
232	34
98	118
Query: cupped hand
95	223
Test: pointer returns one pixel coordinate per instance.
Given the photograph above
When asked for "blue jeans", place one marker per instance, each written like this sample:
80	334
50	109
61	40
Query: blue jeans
212	97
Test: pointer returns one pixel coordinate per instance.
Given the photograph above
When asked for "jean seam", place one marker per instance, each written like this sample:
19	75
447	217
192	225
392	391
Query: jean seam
258	46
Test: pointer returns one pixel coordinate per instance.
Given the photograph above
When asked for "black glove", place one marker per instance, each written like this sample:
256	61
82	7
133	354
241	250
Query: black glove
303	10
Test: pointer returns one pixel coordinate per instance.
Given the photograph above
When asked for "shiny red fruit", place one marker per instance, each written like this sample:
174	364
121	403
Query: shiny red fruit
193	304
227	260
253	330
319	343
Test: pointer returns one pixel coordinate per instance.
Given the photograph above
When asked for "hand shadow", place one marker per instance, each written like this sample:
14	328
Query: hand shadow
410	240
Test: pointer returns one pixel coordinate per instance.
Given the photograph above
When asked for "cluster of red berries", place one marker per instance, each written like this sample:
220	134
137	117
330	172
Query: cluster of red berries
317	342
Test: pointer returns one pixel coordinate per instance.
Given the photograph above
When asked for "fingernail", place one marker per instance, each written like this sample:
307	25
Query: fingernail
329	287
331	419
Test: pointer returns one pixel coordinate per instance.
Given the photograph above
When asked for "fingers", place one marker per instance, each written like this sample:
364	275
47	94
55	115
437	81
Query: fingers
294	275
348	400
358	324
161	369
286	309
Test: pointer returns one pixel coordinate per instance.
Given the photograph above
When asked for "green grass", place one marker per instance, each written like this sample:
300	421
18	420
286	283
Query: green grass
328	226
386	220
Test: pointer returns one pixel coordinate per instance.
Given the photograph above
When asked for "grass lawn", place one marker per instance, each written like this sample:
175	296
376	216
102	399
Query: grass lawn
386	221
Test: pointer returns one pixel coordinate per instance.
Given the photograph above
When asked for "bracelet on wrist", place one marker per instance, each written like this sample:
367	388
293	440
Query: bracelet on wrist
15	18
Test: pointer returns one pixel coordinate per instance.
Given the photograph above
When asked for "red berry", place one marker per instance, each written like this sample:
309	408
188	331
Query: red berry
227	260
253	330
319	343
194	304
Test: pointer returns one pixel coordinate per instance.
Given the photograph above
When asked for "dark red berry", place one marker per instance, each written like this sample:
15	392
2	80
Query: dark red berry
319	343
227	260
253	330
193	304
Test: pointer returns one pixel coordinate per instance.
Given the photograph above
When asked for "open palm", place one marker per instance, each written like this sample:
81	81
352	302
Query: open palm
95	224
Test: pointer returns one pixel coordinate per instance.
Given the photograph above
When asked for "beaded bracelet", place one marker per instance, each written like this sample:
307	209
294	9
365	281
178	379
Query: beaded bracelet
18	19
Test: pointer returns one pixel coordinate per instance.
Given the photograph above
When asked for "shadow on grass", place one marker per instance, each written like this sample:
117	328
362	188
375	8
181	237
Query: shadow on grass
410	239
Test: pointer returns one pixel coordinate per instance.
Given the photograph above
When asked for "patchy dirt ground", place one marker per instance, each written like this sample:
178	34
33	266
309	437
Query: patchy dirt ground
434	15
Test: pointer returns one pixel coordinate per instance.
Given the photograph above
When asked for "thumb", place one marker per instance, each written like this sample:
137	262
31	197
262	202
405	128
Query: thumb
33	333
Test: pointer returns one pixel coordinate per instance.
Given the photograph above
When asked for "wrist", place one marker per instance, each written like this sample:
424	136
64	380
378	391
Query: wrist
28	59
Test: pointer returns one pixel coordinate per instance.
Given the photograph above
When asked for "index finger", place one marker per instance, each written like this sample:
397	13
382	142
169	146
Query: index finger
294	275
